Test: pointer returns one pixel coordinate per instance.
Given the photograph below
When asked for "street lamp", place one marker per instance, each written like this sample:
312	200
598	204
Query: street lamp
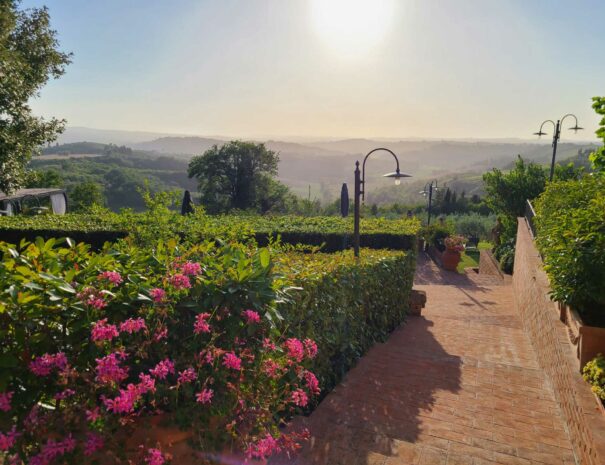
556	136
432	186
360	181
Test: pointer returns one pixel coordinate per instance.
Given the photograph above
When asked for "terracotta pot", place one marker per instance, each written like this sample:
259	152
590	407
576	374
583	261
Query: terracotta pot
450	259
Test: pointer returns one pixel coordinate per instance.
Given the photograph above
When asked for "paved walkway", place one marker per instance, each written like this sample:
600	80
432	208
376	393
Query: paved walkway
458	385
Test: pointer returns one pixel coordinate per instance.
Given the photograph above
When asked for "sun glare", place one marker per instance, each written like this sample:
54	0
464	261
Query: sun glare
351	27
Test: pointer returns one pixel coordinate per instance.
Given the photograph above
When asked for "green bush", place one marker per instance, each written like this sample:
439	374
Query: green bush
570	222
160	223
435	234
594	373
473	225
343	304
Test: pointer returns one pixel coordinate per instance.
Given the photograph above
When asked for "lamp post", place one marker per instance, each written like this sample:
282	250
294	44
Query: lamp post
431	187
360	190
556	136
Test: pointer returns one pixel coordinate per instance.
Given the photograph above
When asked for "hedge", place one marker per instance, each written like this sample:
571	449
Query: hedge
218	337
570	223
334	233
345	305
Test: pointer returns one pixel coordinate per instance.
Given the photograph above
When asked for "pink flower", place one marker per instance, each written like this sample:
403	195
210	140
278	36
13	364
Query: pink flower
201	325
204	397
155	457
5	401
109	370
160	333
53	449
207	357
101	331
267	344
179	281
251	316
64	394
310	348
312	382
191	268
146	384
300	398
271	369
232	361
133	326
92	298
263	448
158	295
43	366
162	369
295	349
94	442
112	276
93	415
187	376
7	440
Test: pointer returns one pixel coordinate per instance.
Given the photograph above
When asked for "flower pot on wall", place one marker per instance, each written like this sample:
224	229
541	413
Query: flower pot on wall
450	259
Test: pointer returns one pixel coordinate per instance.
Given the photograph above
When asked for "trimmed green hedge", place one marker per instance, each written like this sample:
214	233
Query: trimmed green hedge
345	305
570	223
334	232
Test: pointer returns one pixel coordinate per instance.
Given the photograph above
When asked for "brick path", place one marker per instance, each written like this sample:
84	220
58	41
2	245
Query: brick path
458	385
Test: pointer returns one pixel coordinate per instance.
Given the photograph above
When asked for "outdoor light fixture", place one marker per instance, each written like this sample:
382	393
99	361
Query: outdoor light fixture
556	136
428	190
360	181
397	175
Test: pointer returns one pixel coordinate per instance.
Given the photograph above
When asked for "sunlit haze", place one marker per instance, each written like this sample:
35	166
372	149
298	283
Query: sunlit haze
328	68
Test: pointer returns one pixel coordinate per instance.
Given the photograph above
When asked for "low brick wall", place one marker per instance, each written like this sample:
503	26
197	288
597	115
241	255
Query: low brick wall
489	265
585	422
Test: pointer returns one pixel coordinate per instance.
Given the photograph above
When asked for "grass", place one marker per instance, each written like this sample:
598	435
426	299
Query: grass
470	258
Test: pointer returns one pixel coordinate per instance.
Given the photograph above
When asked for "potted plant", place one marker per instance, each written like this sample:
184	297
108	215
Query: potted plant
454	246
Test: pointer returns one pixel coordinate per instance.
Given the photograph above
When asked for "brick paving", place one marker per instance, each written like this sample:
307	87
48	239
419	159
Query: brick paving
458	385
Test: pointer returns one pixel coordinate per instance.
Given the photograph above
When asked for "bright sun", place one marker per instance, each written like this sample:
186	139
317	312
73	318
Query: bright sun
352	27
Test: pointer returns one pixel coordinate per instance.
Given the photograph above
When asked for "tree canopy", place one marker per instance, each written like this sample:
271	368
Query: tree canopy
598	157
29	57
238	176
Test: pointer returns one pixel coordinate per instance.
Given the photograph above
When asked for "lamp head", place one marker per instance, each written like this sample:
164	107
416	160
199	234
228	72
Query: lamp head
540	133
397	175
576	128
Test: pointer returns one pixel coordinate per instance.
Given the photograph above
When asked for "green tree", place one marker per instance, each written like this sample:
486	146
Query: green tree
29	57
598	157
238	175
85	195
506	193
46	178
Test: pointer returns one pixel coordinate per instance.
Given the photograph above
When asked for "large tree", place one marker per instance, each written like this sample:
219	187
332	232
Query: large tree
238	175
29	57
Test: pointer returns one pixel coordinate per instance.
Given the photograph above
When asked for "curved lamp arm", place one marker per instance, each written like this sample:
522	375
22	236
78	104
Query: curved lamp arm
540	133
576	128
363	167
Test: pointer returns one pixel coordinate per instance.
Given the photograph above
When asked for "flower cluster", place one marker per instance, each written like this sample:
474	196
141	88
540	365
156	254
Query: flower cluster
44	365
224	362
455	243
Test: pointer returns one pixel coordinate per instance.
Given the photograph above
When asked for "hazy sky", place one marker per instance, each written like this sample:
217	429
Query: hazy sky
341	68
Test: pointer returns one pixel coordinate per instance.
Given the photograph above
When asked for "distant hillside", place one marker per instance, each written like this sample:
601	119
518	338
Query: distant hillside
179	145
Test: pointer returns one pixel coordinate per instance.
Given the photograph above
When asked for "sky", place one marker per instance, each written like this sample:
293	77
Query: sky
328	68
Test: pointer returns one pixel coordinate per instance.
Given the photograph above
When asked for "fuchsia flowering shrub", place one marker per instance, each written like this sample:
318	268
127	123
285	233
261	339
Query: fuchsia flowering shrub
93	341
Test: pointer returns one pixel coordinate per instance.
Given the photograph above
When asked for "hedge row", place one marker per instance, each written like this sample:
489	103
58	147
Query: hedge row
219	337
345	305
570	222
334	233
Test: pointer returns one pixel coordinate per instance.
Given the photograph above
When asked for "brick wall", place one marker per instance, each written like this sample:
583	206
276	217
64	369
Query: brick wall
488	264
585	422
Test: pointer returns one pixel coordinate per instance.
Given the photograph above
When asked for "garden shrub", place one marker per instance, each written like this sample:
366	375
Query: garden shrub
594	373
146	228
570	222
220	338
343	304
92	341
435	234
